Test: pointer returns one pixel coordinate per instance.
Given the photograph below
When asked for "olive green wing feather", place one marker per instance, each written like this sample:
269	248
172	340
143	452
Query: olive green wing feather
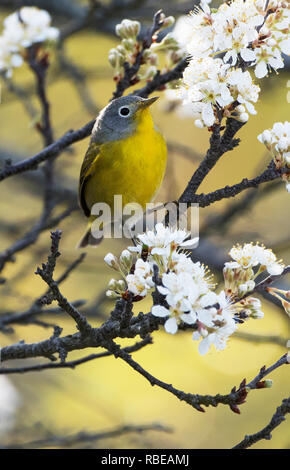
91	156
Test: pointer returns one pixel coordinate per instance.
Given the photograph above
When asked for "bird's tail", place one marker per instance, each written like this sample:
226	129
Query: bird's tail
89	239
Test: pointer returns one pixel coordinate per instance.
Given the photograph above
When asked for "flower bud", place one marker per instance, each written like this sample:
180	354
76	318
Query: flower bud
168	21
121	285
243	117
116	287
113	58
126	260
149	56
268	383
111	294
264	384
240	108
128	29
126	256
169	42
112	284
128	44
266	138
121	50
116	59
112	261
148	73
199	123
257	315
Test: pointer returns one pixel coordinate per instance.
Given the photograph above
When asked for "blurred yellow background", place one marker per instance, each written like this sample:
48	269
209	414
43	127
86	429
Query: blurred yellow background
106	392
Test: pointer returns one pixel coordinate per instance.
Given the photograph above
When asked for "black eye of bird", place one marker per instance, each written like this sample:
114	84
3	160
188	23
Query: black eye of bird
124	111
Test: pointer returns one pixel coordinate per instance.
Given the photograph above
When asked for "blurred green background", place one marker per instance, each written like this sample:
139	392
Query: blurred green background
106	393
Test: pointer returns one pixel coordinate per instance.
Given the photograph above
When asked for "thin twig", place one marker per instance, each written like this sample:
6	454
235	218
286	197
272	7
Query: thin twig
265	433
72	364
90	437
46	273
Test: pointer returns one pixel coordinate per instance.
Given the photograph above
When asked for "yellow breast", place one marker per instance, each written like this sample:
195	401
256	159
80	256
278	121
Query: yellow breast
133	167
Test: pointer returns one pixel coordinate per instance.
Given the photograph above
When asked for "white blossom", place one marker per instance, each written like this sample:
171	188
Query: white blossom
180	290
9	59
185	292
250	255
267	57
29	25
141	281
174	317
209	84
161	239
250	33
244	89
199	42
112	261
277	141
217	324
25	27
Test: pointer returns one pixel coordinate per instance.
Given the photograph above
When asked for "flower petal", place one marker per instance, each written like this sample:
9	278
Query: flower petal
171	326
159	311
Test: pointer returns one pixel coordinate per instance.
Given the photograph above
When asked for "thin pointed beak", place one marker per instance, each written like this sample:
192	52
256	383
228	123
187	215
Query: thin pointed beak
148	102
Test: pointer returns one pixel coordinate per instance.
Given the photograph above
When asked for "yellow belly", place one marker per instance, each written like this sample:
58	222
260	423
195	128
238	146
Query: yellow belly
133	167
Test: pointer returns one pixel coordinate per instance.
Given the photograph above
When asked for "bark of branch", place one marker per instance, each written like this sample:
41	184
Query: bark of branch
219	145
72	364
85	438
265	433
46	273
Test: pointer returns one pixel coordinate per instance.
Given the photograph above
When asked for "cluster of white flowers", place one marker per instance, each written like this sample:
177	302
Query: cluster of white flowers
25	27
250	255
250	260
210	85
277	141
243	33
130	46
185	290
257	31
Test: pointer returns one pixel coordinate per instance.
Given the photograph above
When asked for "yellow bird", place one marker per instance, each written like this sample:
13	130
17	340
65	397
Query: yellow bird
126	156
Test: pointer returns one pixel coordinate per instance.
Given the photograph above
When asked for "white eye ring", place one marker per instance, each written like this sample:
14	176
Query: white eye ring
124	111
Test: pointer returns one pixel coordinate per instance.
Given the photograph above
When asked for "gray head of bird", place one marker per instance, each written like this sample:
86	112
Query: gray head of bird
120	118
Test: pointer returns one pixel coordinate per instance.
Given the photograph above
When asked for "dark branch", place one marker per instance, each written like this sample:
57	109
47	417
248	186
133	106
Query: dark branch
85	437
233	399
270	174
219	145
265	433
73	364
46	273
37	306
